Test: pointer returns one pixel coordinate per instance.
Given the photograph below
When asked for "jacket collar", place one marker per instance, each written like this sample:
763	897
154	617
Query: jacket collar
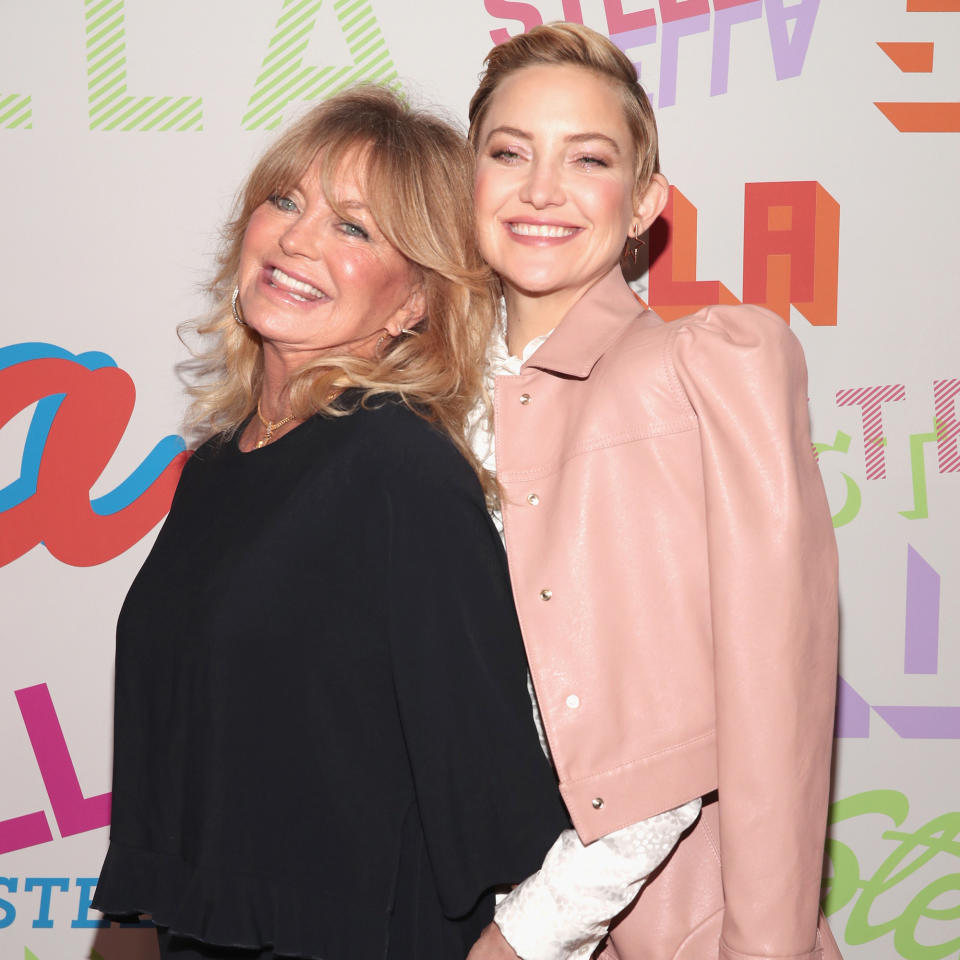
589	327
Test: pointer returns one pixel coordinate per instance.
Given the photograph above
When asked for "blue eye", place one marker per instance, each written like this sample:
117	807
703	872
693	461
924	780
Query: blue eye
282	203
354	230
507	155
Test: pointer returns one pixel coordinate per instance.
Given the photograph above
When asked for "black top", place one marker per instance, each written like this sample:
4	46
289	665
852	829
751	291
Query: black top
323	739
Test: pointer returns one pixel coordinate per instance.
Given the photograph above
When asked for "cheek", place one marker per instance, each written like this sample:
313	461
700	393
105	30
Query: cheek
370	279
253	243
486	190
355	270
348	270
610	205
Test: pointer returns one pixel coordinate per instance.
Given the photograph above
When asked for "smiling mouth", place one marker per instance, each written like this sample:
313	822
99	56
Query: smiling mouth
541	230
298	289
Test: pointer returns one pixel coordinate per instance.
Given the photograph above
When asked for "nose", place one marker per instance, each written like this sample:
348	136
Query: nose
543	186
301	238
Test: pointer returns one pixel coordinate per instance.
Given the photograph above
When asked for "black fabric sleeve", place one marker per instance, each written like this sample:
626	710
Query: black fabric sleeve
488	800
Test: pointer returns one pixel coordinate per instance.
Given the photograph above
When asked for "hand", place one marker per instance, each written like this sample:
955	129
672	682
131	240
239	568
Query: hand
491	946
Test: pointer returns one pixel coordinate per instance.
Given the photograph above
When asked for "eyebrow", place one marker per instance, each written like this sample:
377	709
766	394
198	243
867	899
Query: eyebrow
510	131
573	138
593	135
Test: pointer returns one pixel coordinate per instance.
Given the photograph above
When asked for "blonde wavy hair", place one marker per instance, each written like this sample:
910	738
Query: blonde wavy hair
415	172
571	44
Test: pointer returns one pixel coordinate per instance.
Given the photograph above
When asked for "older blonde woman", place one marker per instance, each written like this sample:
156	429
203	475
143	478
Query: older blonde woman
323	744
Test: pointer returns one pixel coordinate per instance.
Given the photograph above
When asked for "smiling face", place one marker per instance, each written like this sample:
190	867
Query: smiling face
312	281
555	184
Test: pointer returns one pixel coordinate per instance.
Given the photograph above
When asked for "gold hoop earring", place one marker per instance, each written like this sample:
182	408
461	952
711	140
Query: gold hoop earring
235	307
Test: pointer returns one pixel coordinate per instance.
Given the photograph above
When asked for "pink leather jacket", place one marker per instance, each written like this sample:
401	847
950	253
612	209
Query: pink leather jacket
675	572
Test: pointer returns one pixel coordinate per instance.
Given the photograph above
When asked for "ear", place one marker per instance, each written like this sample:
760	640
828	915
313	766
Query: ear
650	203
410	314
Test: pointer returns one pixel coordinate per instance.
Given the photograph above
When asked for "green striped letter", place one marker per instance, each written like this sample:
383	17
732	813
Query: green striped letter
15	111
111	107
283	77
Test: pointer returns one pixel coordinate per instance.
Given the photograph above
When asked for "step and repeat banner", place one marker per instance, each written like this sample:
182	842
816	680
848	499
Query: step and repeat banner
813	147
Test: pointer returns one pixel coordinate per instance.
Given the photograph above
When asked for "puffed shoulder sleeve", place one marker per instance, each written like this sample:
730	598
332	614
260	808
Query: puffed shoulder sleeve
488	801
773	587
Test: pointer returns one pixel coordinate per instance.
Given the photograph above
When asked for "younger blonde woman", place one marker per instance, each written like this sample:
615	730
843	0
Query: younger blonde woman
670	545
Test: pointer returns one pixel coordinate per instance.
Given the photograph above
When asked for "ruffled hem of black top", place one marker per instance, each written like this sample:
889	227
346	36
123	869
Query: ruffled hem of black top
234	910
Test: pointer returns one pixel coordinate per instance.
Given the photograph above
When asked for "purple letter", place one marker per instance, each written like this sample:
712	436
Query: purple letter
670	52
725	18
790	52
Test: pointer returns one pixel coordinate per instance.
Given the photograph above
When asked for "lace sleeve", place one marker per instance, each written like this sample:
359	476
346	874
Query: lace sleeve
562	911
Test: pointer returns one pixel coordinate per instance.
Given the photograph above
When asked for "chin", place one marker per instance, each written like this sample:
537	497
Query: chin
538	284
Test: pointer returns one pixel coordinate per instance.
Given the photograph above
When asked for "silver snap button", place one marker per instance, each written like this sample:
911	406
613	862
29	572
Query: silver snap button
573	701
533	499
546	594
524	398
597	802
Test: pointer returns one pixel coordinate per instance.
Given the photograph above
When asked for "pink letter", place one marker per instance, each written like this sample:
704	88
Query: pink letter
870	400
526	13
671	10
26	831
74	812
945	393
620	22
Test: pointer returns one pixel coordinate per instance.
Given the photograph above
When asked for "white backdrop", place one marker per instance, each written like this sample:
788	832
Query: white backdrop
108	232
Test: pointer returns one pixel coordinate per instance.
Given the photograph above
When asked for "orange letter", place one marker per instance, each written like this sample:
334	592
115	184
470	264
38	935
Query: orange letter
675	290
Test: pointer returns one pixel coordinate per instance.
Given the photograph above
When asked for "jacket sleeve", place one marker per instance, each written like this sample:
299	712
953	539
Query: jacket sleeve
487	798
773	589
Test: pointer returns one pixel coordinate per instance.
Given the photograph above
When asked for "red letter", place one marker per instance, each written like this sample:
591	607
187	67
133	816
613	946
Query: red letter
86	430
791	243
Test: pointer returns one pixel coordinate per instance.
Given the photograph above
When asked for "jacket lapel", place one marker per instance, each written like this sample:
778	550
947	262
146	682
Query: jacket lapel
597	320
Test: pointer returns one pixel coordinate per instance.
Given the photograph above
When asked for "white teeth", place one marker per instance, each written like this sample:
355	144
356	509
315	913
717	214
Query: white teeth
540	230
280	279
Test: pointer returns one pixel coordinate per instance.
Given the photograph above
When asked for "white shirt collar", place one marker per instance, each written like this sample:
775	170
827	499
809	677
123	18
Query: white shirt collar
499	359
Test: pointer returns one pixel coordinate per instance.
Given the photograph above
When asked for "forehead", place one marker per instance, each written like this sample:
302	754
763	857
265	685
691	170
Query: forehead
562	96
340	175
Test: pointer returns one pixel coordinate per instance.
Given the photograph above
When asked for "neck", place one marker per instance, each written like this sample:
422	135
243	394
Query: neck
532	315
274	401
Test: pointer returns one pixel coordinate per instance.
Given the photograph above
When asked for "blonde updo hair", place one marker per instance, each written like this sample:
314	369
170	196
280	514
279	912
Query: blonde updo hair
571	44
415	171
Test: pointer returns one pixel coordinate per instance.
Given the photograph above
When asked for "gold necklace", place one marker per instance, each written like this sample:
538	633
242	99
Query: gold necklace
270	426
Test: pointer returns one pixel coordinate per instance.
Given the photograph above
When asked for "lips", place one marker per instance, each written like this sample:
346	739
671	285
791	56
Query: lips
297	288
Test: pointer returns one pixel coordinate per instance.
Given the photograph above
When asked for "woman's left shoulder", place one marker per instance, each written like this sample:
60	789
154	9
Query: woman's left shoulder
414	449
744	353
736	327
